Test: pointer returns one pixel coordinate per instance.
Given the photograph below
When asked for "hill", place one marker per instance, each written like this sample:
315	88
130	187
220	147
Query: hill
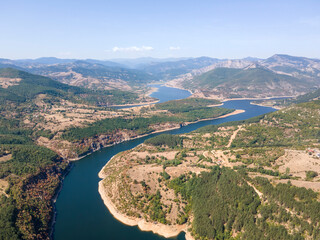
280	103
251	81
44	119
19	86
300	67
254	179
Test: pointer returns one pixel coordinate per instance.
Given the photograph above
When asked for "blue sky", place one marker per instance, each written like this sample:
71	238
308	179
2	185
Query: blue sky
140	28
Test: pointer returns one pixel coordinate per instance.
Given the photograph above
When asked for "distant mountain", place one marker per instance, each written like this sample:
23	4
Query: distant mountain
44	61
252	59
170	70
129	74
106	63
251	81
19	86
53	61
299	67
94	75
7	65
139	63
29	63
90	73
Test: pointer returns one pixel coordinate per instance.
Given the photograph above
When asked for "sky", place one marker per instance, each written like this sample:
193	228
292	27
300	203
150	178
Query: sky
108	29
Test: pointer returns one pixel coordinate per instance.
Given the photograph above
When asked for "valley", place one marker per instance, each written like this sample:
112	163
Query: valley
46	123
155	120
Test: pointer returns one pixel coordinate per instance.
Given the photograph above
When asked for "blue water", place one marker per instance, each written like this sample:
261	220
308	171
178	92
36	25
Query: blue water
165	94
81	214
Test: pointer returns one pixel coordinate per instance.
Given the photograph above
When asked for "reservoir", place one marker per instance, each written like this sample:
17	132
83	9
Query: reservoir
81	213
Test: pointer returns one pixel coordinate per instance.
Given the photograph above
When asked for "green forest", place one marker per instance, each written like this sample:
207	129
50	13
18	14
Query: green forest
223	204
33	173
181	111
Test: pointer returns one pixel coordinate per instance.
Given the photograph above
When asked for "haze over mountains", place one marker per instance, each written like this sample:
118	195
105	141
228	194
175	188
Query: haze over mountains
249	77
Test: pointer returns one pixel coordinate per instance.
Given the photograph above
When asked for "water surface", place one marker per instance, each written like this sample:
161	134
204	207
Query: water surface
81	213
165	94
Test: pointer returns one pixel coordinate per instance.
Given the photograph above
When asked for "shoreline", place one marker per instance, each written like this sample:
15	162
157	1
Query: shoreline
171	86
235	112
261	105
161	229
135	104
254	99
129	139
152	90
223	99
54	199
166	231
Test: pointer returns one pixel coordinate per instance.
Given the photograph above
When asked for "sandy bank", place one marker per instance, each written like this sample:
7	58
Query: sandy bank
136	104
178	87
255	99
158	228
152	90
266	105
237	111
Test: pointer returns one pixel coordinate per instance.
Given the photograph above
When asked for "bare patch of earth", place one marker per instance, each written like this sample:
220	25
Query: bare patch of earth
298	162
7	82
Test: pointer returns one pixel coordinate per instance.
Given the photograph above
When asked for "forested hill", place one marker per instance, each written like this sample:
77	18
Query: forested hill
19	86
254	179
252	81
311	96
34	107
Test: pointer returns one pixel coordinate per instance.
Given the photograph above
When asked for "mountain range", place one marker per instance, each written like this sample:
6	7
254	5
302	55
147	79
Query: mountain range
277	75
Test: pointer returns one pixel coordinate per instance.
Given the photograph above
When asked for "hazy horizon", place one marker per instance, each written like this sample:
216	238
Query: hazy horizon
150	57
